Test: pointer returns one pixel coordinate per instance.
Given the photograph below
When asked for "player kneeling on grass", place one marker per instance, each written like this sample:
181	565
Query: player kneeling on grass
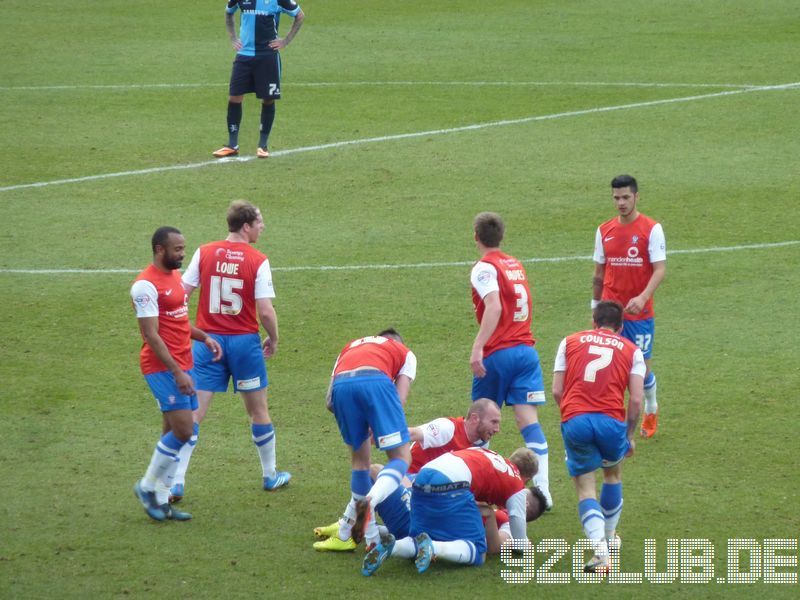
592	370
445	519
429	441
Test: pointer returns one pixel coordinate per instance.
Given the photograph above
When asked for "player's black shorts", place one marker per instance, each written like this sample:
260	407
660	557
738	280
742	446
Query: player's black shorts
259	74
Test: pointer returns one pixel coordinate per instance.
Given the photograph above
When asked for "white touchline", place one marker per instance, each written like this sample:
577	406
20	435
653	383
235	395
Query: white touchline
426	265
402	136
312	84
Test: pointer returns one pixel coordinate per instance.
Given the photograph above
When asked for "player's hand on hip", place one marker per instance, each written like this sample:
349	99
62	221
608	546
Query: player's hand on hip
237	44
184	383
277	44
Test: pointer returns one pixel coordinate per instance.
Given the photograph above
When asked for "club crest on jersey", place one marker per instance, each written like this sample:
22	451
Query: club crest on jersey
634	239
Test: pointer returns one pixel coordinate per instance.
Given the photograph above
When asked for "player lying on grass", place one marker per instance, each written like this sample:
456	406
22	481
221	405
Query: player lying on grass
429	441
445	519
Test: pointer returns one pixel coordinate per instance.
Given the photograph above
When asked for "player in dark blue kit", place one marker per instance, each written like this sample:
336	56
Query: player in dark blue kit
257	66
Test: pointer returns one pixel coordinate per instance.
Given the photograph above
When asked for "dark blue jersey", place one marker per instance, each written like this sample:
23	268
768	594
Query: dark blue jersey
258	25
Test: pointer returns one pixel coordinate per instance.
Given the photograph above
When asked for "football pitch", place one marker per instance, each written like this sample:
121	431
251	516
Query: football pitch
399	121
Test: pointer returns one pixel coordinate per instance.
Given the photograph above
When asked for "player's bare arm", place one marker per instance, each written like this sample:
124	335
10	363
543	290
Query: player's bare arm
491	317
269	320
149	328
636	304
280	43
597	281
231	27
635	401
558	386
403	385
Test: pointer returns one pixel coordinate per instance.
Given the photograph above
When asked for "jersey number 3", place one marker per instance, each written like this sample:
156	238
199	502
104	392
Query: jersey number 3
223	298
521	314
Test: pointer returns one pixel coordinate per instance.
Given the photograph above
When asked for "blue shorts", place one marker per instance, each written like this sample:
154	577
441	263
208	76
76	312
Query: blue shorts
259	74
242	359
513	376
593	440
369	401
167	394
395	512
448	516
642	333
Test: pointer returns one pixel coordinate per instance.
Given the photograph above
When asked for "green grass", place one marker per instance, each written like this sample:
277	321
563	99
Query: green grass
78	423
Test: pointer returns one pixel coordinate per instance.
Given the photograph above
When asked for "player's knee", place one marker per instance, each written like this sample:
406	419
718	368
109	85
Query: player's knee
374	469
479	559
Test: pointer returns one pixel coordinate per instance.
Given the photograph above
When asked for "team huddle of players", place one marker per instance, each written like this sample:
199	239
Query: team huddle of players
438	491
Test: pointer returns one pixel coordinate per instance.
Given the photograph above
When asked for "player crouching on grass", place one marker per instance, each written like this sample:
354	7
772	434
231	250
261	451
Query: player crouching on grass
445	520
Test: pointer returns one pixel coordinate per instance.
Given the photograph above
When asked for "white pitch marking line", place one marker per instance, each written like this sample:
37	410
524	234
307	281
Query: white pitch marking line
156	86
401	136
427	265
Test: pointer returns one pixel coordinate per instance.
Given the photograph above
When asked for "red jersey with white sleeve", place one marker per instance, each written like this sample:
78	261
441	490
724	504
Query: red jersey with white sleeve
377	352
439	437
231	277
158	294
499	272
597	366
492	479
628	251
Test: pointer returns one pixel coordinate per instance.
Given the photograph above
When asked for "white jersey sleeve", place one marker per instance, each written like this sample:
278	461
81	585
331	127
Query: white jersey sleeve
437	433
264	287
599	254
484	278
561	357
192	274
517	508
409	369
657	248
145	299
639	367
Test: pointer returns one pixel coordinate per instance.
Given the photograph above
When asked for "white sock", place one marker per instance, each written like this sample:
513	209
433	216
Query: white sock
348	518
164	484
542	477
650	403
159	463
405	548
185	455
458	551
264	439
385	484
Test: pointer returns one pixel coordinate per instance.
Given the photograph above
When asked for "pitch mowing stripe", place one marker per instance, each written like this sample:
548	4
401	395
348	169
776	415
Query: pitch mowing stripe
426	265
170	86
402	136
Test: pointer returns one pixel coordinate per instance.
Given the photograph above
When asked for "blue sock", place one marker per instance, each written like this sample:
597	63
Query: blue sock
360	482
611	502
169	444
